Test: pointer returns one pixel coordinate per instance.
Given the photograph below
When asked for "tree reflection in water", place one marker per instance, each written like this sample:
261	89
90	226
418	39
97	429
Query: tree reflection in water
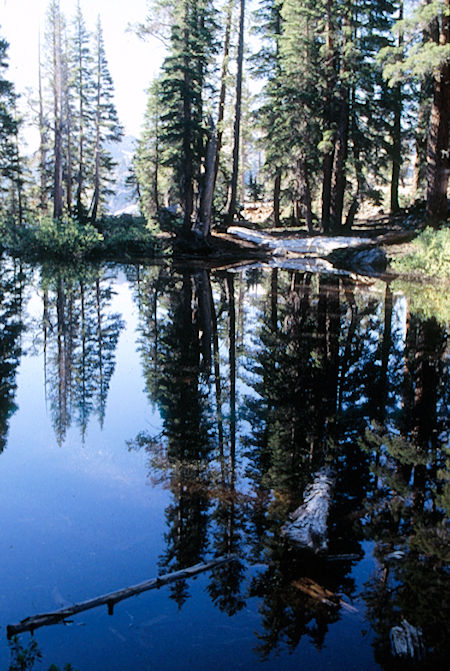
255	397
80	335
12	285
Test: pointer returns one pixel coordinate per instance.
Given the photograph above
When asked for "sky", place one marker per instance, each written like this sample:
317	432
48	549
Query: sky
132	62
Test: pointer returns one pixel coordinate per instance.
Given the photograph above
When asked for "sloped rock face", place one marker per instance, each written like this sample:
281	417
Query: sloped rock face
371	260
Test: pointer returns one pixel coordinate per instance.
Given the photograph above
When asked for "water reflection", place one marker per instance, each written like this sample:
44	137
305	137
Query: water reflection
246	428
80	334
12	286
261	379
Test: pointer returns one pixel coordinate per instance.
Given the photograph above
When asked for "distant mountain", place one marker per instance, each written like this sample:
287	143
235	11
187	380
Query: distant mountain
122	200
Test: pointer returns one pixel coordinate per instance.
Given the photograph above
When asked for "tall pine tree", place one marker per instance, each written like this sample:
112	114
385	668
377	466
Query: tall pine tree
107	125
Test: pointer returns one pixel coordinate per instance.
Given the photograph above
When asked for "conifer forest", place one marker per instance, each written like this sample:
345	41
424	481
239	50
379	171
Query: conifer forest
224	339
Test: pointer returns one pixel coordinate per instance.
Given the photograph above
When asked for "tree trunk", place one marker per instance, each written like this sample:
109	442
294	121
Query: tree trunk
188	187
327	168
396	150
203	224
339	179
57	112
276	198
420	139
396	134
42	143
223	88
237	118
69	156
304	193
328	159
96	196
80	173
438	163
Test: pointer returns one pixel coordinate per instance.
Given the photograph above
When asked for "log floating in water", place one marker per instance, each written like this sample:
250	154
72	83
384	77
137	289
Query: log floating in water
309	525
109	600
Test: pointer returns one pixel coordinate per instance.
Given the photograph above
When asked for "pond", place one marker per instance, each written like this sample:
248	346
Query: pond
153	418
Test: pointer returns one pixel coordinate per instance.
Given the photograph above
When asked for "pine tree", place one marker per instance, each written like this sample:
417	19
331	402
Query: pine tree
237	116
81	86
266	64
55	68
43	125
183	81
9	158
147	160
107	125
427	35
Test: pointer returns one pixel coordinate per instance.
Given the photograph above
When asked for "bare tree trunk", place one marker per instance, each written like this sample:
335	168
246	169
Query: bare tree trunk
223	88
438	163
276	198
339	179
80	173
203	225
237	117
397	134
304	192
69	156
327	164
188	187
57	113
42	143
96	195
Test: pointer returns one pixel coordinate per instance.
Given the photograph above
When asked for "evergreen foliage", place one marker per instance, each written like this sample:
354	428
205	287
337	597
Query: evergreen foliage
348	89
107	126
183	81
9	160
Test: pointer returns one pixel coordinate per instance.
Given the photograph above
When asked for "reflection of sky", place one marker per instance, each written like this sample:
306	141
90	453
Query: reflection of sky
83	519
77	520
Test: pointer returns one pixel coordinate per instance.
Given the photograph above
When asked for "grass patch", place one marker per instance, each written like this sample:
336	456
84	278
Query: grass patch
429	256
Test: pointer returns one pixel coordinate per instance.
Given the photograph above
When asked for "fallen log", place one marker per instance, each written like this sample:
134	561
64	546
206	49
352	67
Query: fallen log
110	600
309	525
318	245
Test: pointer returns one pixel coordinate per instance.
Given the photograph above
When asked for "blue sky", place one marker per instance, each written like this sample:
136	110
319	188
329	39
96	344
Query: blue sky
132	62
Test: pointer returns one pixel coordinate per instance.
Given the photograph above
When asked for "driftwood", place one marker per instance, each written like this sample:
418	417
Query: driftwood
309	525
43	619
407	641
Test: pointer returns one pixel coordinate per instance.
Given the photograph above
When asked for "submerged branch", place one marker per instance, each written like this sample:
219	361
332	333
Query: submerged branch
43	619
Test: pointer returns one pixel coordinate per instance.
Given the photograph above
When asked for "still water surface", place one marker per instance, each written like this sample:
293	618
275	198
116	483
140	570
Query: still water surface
152	419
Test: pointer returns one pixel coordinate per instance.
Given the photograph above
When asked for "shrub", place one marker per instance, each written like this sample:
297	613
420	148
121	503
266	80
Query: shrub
430	255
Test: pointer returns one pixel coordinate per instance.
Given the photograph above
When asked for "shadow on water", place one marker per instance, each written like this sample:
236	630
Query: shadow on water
261	379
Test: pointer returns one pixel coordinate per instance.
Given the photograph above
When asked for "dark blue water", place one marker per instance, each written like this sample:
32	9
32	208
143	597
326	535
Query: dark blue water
153	419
